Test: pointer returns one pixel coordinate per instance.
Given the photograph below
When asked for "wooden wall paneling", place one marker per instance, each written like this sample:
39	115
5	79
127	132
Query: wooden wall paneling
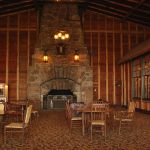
18	53
147	32
24	20
23	59
33	19
95	64
94	22
106	62
87	21
116	26
3	22
117	67
106	45
132	40
125	85
109	26
125	26
32	40
13	21
99	72
13	52
125	44
101	22
140	37
110	66
3	41
103	65
114	68
122	75
12	65
7	52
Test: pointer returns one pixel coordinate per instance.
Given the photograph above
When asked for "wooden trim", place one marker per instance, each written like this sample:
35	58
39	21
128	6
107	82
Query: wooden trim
111	31
99	72
137	51
107	98
28	50
16	29
20	11
125	84
7	51
114	68
129	84
18	54
128	65
121	55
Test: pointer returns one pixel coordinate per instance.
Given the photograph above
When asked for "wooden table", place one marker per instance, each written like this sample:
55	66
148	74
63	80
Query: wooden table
22	104
86	116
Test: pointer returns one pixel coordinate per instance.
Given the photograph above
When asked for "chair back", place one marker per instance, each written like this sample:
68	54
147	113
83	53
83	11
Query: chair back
131	107
2	108
28	114
98	112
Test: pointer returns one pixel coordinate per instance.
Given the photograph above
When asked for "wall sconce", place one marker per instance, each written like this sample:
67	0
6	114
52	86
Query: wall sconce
45	57
76	55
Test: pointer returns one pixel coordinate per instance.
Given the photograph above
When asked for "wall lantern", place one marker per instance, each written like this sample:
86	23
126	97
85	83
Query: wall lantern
76	55
45	57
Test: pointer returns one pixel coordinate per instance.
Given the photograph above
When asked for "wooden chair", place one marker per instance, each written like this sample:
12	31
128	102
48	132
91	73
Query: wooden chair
98	118
125	118
13	112
18	127
74	120
2	114
34	112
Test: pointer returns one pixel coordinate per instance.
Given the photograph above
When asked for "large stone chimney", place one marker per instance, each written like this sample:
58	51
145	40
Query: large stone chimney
61	71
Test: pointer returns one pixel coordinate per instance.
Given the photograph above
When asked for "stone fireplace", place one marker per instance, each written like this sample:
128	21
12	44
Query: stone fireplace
61	71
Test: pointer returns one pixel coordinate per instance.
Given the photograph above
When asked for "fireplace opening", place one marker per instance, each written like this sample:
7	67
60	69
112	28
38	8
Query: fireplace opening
56	99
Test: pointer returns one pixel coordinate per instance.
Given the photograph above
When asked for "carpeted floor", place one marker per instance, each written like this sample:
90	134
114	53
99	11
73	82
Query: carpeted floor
51	132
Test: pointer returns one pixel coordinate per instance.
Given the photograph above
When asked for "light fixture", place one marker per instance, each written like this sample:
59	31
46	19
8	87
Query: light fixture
61	39
45	57
61	35
76	55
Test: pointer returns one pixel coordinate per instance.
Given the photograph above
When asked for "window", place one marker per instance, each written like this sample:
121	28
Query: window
137	78
146	75
141	78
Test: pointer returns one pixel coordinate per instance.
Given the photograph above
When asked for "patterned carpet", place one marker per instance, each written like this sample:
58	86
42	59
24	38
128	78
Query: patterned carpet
51	132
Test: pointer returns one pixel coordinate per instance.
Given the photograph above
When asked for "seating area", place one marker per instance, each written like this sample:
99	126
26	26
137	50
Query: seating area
52	132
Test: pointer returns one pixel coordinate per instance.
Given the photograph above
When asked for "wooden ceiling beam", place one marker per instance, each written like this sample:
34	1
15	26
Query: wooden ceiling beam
130	5
104	12
8	11
122	8
61	1
134	9
137	51
140	19
4	4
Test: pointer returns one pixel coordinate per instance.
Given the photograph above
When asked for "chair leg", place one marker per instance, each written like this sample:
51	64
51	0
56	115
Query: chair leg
4	135
22	137
119	127
91	132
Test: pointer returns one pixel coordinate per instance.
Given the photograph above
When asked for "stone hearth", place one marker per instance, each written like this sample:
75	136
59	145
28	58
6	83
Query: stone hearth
61	72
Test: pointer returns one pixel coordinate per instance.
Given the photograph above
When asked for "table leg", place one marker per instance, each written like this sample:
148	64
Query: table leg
83	124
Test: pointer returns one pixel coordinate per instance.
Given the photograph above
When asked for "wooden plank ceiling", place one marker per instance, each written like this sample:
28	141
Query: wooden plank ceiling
127	10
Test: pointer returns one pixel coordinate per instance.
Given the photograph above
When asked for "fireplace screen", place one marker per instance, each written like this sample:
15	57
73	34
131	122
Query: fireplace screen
56	99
